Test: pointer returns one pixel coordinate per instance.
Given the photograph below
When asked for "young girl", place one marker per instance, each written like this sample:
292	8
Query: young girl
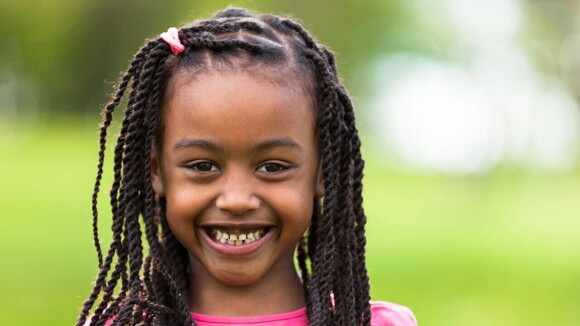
238	150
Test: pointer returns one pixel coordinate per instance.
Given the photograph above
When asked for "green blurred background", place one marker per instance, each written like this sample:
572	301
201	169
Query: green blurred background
469	115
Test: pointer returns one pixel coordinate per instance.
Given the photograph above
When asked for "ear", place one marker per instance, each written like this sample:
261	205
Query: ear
319	183
156	179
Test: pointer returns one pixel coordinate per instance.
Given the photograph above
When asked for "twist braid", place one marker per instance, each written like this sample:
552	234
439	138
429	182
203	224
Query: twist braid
107	119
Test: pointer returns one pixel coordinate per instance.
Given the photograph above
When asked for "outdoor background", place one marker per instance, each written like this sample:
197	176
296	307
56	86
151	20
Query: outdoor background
469	115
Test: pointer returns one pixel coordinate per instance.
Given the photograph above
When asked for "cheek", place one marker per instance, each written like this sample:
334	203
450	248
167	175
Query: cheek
295	208
182	209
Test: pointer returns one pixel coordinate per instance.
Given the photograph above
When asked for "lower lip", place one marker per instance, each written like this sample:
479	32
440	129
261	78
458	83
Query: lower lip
233	250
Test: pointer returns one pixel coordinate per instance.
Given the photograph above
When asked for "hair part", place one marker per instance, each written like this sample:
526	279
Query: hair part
155	281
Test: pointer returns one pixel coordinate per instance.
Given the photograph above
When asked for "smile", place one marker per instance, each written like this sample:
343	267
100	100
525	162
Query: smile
236	241
237	237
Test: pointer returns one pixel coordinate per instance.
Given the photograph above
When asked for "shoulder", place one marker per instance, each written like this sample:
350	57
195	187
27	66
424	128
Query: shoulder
391	314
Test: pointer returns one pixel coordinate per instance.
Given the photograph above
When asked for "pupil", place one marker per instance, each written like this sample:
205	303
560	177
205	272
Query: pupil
272	167
205	166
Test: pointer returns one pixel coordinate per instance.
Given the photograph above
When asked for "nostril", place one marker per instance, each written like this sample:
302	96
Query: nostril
238	204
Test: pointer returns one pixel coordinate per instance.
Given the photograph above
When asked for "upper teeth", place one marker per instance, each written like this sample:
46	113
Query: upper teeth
239	237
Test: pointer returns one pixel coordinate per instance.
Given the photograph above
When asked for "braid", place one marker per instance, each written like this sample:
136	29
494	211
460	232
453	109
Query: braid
118	226
331	256
360	218
107	119
351	173
104	268
151	229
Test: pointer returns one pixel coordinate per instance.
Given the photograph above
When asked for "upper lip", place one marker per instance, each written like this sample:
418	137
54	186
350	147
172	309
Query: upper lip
237	225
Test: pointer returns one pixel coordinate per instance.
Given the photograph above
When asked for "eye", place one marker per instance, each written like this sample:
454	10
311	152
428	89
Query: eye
204	166
271	167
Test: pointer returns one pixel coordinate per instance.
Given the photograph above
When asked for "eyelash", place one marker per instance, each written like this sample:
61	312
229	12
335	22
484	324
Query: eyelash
195	166
278	165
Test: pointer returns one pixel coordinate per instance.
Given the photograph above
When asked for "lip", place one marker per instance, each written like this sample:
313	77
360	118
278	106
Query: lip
240	250
236	225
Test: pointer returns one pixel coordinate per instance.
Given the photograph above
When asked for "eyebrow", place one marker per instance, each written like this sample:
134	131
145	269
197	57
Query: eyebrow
211	146
192	142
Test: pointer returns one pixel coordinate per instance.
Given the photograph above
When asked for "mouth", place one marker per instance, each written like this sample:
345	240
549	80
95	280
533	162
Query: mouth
236	240
236	237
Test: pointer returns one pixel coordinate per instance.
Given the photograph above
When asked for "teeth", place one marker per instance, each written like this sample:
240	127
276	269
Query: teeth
242	236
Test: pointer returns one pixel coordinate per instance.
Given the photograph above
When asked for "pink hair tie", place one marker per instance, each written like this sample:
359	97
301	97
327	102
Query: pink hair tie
171	37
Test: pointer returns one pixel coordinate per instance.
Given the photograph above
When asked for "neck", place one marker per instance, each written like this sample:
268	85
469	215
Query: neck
279	290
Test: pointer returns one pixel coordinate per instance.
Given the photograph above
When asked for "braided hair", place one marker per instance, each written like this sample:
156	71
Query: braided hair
153	276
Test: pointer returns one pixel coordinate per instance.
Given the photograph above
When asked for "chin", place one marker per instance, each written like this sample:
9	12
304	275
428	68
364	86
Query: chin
238	279
237	273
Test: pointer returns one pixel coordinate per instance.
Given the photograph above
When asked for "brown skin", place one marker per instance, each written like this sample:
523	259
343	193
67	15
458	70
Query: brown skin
234	180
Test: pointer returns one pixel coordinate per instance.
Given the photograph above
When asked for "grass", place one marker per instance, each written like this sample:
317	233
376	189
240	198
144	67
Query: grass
495	250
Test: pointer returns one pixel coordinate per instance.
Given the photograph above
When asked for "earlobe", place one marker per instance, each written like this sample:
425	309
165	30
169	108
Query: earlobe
156	181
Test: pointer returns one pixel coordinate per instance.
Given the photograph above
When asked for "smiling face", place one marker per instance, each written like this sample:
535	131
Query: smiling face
238	160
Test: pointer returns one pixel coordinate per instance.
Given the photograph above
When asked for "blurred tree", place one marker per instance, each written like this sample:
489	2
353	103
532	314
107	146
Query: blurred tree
69	53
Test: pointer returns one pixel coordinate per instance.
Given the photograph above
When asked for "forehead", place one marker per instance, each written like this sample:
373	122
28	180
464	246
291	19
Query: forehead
237	109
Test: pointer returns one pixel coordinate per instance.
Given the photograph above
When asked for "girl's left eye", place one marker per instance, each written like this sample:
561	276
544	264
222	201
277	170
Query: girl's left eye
271	167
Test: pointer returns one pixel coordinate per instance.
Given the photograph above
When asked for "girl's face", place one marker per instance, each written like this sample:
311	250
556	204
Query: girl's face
239	168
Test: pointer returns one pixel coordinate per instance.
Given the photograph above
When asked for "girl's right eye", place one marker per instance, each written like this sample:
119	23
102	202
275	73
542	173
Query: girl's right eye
203	166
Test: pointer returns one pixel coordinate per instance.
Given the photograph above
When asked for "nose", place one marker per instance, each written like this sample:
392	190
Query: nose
237	196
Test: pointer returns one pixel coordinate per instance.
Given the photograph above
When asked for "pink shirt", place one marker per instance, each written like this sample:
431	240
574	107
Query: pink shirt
383	314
